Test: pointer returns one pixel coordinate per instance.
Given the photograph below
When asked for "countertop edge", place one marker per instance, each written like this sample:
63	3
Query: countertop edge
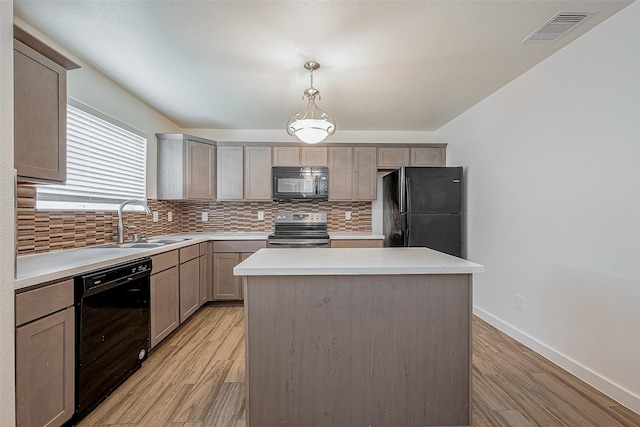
382	271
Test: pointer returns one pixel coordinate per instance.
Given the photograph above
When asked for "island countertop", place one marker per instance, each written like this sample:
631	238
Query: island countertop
353	261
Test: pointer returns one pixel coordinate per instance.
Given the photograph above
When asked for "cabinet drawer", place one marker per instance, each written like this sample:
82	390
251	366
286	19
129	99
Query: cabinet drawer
189	253
359	243
238	245
163	261
203	248
37	303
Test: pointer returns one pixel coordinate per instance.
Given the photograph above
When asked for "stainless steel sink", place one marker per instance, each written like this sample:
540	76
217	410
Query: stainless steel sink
147	243
167	241
133	245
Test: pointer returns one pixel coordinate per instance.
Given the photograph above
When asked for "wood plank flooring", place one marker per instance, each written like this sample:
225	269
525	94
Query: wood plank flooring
196	379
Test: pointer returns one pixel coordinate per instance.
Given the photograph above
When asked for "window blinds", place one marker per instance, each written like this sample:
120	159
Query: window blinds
106	164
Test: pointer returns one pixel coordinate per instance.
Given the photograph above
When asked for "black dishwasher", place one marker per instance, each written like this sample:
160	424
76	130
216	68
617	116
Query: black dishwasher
112	329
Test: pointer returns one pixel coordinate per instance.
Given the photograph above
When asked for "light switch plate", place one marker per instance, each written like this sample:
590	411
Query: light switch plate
347	215
155	216
205	216
260	215
170	216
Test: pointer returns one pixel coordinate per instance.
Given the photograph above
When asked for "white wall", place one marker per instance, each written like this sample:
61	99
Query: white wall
95	90
553	162
7	224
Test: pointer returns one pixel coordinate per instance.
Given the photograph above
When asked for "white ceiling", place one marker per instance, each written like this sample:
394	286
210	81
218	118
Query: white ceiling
385	65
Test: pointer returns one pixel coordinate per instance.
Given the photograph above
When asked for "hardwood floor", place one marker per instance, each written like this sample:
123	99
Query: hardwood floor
196	379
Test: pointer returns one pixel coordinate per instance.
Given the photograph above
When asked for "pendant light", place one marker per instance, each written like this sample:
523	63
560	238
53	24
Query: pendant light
311	125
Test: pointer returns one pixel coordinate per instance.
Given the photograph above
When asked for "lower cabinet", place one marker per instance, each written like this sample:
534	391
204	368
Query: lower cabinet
165	296
226	255
189	281
45	357
205	277
226	286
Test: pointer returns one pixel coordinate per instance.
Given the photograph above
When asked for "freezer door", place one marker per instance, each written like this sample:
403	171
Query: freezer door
441	232
433	190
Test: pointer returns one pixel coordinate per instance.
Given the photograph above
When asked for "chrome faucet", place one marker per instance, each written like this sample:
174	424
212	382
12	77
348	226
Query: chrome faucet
121	226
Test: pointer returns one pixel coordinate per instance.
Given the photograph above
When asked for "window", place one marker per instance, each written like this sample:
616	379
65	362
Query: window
106	164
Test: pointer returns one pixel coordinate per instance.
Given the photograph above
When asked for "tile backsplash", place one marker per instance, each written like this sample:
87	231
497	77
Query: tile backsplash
44	231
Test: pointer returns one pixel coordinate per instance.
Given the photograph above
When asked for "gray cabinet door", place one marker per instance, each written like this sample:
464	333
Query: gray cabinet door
165	311
203	280
391	157
186	168
189	288
257	173
230	173
364	173
201	170
428	156
313	156
286	156
340	173
40	116
226	286
45	370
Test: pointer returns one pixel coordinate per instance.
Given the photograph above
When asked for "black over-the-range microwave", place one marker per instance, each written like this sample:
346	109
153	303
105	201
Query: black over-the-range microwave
300	182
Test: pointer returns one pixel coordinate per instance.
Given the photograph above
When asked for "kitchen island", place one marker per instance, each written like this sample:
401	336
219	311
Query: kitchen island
358	337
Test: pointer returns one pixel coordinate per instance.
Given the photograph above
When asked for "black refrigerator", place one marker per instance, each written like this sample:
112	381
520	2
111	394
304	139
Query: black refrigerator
423	207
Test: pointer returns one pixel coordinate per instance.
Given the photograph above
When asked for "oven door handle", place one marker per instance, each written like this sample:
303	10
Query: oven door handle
300	244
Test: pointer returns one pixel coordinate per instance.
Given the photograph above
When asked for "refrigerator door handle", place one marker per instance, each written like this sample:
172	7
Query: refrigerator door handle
408	193
403	191
407	235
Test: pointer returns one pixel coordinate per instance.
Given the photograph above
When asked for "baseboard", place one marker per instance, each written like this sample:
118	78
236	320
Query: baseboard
614	391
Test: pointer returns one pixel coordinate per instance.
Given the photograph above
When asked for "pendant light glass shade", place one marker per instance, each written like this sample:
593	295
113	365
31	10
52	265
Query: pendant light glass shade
311	125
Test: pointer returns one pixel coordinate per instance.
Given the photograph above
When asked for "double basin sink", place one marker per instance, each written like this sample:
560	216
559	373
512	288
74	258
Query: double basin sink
147	243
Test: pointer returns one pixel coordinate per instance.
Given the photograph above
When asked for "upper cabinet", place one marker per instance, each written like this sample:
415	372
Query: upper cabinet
352	173
244	173
230	172
364	173
428	156
300	156
395	157
186	167
313	156
40	110
286	156
191	168
257	173
340	173
391	157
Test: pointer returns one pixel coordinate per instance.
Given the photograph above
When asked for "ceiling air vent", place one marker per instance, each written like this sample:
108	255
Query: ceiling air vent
559	25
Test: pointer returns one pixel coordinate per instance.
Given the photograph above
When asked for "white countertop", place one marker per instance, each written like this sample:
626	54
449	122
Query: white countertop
349	261
40	268
45	267
355	235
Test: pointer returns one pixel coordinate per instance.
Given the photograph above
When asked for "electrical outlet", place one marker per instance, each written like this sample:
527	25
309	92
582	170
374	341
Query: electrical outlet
170	216
155	216
520	302
347	215
260	215
205	216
